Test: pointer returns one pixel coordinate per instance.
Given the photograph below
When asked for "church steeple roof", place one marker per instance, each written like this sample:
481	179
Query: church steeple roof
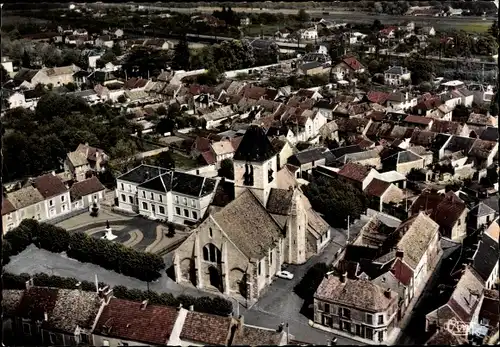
255	146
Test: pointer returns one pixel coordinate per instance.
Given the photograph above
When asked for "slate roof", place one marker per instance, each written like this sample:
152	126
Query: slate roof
418	120
341	151
24	197
224	193
248	225
124	319
206	328
490	134
86	187
49	185
482	149
418	232
361	294
255	146
142	173
280	201
481	210
181	182
422	138
307	156
486	257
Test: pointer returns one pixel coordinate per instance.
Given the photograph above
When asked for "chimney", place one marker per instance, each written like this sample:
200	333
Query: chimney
343	277
387	293
191	307
400	254
179	307
144	304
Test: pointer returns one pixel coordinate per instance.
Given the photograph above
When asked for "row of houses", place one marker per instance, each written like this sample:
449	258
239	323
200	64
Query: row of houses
70	317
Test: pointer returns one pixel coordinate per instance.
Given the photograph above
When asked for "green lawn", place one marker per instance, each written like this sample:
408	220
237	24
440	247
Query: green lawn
474	27
182	162
255	30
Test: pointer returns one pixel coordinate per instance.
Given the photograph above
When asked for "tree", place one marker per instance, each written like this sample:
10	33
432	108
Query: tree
335	200
26	60
422	70
122	99
494	105
303	16
117	49
166	160
181	55
309	48
4	75
226	169
493	30
377	26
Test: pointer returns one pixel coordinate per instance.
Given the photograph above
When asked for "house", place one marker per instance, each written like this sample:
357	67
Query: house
238	249
447	210
400	101
314	68
427	106
56	76
482	119
283	148
309	34
396	76
380	192
27	203
483	153
24	78
282	33
32	97
357	307
347	67
80	32
9	215
485	259
215	118
55	194
159	193
87	192
358	175
442	112
419	246
85	159
104	41
463	305
485	325
427	30
225	149
423	123
402	161
480	215
159	44
308	159
388	33
52	316
14	99
449	127
7	64
245	21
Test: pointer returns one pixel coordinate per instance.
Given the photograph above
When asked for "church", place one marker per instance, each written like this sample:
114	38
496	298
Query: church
239	247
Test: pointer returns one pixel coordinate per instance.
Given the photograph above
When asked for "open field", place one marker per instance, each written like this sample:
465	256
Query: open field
474	27
13	20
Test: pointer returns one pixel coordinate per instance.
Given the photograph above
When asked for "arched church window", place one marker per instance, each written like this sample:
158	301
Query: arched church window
212	254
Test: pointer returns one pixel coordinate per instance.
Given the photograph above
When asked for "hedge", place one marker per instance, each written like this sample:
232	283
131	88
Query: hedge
217	305
84	248
311	281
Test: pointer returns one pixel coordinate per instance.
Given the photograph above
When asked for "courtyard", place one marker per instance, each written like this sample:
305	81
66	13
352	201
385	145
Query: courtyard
135	232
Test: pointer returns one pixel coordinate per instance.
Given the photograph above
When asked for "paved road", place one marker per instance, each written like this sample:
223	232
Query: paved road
267	313
432	57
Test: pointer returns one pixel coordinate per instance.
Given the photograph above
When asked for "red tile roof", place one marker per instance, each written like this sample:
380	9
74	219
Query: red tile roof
207	329
353	63
126	320
89	186
355	172
402	272
418	120
49	185
7	207
201	144
209	157
377	187
377	97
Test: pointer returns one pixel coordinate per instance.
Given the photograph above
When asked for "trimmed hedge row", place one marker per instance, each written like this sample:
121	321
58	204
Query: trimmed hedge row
84	248
217	305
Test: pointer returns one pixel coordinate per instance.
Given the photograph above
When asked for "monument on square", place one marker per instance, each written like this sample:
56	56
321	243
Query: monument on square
109	233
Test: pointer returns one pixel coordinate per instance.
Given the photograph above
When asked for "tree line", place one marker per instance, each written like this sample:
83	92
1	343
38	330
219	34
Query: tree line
84	248
38	141
217	305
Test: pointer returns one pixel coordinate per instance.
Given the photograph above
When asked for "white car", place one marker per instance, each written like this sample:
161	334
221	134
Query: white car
285	274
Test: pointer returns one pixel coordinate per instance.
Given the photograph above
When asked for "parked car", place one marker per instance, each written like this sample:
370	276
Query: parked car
285	274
